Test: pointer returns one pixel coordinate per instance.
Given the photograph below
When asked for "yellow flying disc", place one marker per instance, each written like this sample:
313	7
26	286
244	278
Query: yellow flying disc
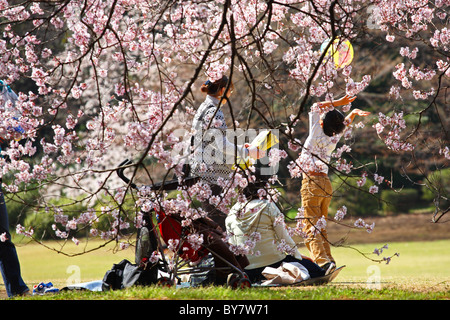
341	51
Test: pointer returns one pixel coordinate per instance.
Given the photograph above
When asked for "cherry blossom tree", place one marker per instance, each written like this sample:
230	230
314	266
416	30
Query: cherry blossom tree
102	81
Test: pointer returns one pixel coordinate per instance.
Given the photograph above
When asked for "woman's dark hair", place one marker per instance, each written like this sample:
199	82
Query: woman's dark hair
333	123
212	88
251	190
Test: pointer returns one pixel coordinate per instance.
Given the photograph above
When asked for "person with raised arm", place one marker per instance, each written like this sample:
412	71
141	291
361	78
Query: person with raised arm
326	127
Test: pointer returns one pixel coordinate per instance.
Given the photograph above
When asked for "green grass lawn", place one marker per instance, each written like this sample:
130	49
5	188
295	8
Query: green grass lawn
40	264
419	272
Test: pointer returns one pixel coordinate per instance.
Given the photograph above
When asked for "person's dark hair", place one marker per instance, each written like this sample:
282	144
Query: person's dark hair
251	190
333	123
212	88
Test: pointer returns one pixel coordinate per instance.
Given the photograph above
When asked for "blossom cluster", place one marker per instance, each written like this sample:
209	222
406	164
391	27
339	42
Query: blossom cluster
379	251
360	223
248	246
340	213
446	152
396	125
3	237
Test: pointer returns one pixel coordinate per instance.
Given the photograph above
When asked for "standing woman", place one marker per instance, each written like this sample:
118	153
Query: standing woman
210	145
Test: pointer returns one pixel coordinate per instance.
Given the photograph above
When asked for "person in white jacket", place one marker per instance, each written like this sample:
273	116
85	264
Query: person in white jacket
258	224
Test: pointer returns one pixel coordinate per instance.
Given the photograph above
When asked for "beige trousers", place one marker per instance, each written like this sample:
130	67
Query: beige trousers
316	195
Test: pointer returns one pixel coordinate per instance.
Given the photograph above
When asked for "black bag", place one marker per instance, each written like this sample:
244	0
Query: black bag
125	274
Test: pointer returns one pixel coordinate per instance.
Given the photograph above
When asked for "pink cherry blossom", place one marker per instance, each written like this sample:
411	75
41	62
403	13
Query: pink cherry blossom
340	213
3	237
373	189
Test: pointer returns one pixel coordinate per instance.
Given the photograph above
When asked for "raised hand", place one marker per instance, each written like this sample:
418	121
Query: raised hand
360	112
344	101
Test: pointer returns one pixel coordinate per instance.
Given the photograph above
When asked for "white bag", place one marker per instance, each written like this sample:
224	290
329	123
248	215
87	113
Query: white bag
287	273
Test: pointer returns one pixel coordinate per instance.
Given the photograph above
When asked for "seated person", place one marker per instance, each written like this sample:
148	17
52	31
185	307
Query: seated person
213	235
213	240
259	215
